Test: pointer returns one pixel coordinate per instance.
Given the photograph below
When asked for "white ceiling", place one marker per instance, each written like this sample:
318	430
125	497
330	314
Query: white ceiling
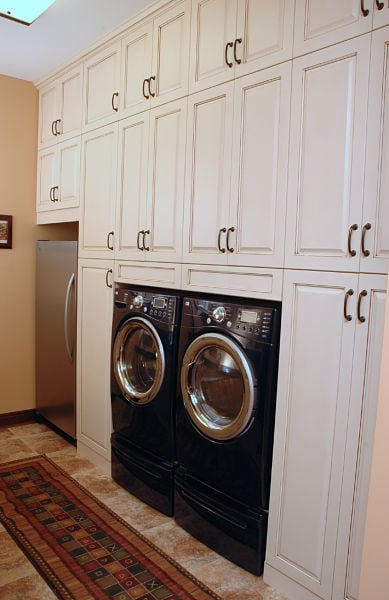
65	29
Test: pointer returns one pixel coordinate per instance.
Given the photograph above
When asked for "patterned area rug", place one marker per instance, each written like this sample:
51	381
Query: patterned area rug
79	546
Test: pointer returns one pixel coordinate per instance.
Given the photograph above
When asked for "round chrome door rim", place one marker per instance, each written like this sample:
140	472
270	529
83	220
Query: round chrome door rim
131	394
208	428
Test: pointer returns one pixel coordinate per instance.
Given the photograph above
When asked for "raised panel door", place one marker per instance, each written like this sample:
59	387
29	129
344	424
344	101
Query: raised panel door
137	50
48	113
101	87
259	168
315	372
69	164
319	24
375	221
327	157
47	174
70	100
98	176
166	182
207	176
95	304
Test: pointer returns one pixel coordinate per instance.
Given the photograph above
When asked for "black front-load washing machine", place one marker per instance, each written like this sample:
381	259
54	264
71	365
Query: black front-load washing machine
143	385
227	378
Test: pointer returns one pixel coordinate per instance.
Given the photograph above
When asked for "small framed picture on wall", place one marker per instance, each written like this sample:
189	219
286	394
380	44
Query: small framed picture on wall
5	231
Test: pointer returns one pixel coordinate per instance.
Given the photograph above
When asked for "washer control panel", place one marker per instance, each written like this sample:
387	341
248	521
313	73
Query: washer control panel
260	323
158	307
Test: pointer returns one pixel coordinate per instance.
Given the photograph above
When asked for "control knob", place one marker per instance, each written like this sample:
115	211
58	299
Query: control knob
138	301
219	314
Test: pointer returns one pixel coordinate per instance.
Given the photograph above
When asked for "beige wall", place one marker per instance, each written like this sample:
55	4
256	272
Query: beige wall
18	135
375	561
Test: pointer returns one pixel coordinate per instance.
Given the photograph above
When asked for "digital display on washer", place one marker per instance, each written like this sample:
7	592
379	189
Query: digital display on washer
248	316
159	303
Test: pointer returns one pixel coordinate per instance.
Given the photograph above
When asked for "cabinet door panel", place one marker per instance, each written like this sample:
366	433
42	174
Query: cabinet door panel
131	212
48	112
166	181
327	156
266	30
70	90
311	425
376	198
319	24
47	174
95	302
69	173
171	55
136	66
98	177
259	167
207	178
213	26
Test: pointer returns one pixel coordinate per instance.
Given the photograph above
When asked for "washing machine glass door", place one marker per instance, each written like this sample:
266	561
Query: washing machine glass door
138	360
218	386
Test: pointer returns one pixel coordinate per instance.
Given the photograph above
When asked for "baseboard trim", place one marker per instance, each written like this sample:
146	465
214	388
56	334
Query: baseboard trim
21	416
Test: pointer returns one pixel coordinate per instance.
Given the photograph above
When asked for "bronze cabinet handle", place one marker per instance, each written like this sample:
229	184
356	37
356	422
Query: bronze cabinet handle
346	297
56	129
108	240
365	228
141	232
106	278
147	232
365	11
236	59
53	127
361	318
114	95
143	89
350	233
150	79
228	63
223	230
55	198
380	5
229	231
51	193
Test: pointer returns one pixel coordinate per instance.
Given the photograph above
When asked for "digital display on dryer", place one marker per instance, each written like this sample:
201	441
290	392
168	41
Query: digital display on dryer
159	302
248	316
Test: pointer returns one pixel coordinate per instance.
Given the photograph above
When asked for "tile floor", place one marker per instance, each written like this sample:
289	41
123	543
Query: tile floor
20	581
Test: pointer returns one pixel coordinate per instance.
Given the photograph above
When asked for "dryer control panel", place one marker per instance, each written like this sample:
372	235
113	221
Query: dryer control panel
259	323
157	307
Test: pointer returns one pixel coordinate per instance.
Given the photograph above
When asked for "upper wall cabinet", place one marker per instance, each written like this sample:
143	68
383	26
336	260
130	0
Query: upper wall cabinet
319	24
327	157
235	37
236	170
60	108
155	58
101	87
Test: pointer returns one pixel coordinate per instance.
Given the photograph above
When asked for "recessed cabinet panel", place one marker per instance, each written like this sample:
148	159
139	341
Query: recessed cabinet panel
375	222
137	67
319	24
48	113
47	174
326	175
69	173
207	180
71	101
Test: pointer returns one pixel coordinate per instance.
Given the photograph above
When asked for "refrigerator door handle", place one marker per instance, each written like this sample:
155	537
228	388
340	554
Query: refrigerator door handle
66	317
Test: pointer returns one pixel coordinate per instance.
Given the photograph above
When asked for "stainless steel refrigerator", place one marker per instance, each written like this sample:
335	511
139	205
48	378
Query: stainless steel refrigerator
56	275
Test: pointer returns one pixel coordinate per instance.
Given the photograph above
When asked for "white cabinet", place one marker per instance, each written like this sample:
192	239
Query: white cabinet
364	393
322	367
375	219
319	24
60	108
98	192
95	305
236	171
155	60
59	176
234	37
327	157
101	87
151	184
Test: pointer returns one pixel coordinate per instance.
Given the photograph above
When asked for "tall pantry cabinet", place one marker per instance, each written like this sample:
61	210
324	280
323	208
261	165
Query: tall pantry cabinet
240	147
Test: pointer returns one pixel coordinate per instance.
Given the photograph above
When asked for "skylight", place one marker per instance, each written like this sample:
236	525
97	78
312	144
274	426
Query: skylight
24	11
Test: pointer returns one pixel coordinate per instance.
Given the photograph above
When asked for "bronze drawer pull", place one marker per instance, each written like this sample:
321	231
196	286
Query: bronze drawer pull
114	95
223	230
141	232
229	231
346	297
108	240
237	41
106	278
143	89
380	5
361	318
150	79
228	63
350	232
365	11
147	248
365	228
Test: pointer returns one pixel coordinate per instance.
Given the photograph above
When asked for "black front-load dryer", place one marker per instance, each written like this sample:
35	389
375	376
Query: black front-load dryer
228	364
143	383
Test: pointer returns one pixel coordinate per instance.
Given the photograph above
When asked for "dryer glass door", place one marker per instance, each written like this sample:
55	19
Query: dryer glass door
218	386
138	360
